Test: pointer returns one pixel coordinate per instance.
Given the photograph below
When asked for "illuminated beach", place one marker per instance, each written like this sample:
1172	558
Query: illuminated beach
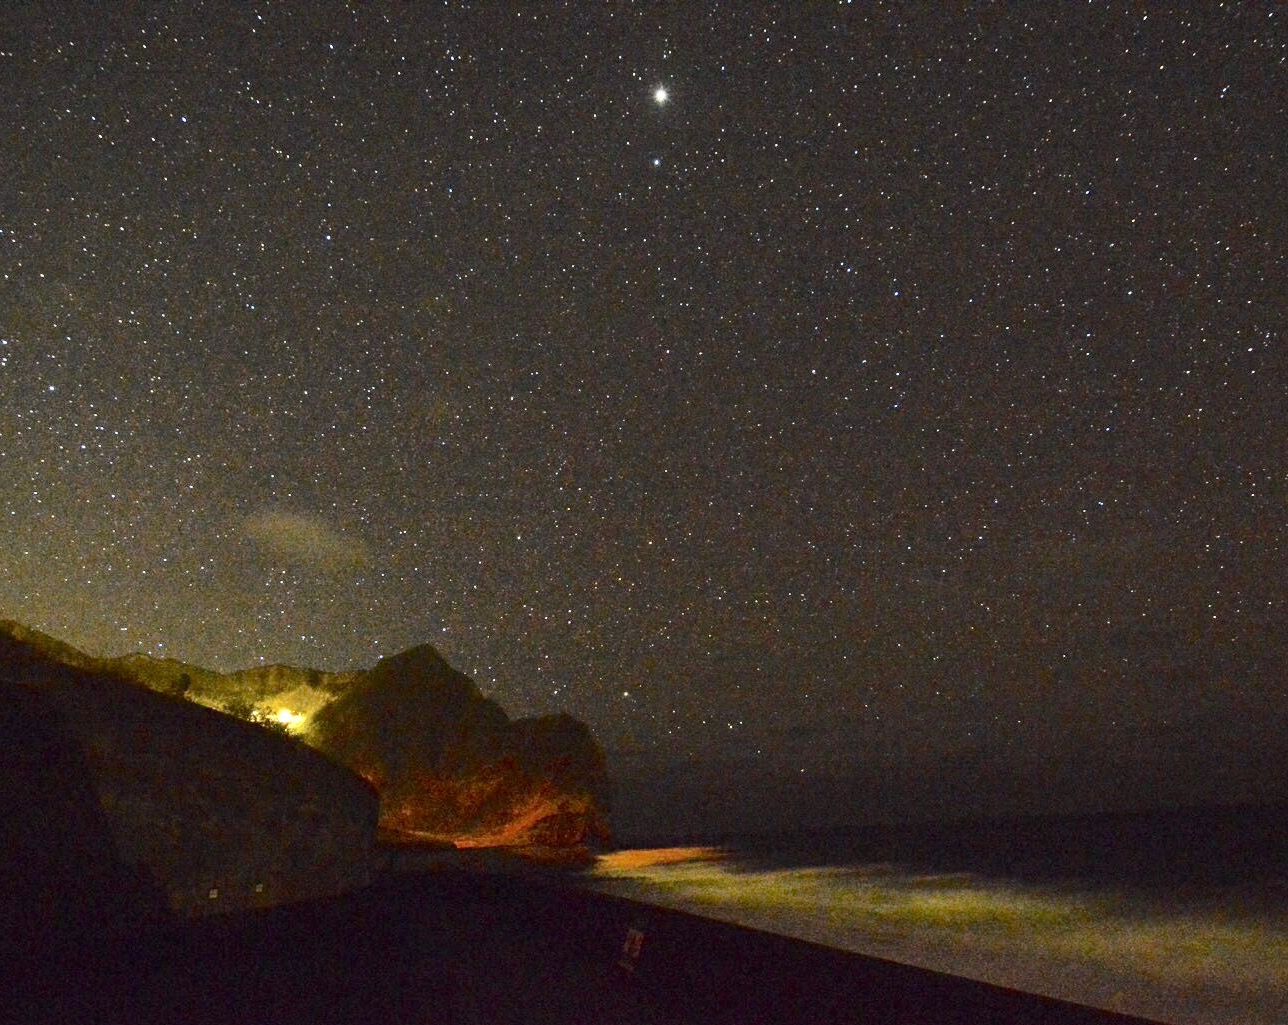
1187	965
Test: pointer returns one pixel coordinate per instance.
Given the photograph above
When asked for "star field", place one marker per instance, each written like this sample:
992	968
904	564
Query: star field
804	385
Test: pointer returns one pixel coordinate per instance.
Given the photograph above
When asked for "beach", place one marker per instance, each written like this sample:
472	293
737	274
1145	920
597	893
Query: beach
450	945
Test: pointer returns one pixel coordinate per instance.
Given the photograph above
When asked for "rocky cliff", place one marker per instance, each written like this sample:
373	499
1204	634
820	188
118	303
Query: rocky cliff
451	766
447	762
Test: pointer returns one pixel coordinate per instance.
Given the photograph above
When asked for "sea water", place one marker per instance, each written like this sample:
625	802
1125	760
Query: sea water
1178	916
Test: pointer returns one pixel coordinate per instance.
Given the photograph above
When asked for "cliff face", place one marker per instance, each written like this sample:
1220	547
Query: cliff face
447	762
450	765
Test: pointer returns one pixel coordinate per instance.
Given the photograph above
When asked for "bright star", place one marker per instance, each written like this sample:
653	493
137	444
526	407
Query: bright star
660	95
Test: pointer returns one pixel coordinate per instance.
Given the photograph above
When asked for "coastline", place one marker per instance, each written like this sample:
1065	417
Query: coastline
524	945
1174	914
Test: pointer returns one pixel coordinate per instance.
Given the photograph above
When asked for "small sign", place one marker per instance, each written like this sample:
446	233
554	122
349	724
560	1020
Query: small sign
631	948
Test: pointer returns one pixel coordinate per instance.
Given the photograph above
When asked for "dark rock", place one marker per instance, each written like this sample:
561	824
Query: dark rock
448	763
62	874
114	791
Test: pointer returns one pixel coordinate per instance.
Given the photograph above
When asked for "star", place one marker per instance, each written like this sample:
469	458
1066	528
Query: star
616	441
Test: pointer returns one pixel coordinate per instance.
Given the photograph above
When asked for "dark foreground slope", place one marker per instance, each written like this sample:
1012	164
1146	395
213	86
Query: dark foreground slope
498	949
62	876
118	802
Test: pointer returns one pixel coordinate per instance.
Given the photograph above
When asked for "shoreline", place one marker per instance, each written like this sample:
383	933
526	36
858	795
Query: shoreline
526	945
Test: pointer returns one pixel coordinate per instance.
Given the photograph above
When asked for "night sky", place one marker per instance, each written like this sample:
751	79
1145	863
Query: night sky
791	389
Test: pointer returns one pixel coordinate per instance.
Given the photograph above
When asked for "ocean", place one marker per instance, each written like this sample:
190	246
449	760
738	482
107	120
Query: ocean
1180	916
